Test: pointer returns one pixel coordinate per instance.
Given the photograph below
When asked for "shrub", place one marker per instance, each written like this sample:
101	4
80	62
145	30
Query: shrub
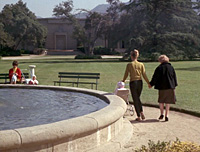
88	57
6	51
154	147
169	147
183	147
98	50
81	49
25	51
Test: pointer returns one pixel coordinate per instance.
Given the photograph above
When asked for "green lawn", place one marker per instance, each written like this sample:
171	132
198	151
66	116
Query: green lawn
188	75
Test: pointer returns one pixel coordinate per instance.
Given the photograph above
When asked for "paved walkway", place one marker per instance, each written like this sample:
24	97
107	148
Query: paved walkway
37	57
52	57
182	126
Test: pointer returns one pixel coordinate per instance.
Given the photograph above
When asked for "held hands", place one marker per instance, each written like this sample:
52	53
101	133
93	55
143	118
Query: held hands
149	86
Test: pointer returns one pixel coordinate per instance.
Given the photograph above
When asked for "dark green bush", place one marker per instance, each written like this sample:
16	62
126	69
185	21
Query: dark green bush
81	49
6	51
25	51
99	50
88	57
104	51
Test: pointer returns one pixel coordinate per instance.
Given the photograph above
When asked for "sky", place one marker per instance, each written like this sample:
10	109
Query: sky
44	8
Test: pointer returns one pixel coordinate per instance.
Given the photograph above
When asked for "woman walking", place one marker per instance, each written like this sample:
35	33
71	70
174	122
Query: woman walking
136	70
164	79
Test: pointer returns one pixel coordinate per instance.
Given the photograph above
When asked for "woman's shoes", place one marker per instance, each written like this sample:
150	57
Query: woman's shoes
161	117
143	117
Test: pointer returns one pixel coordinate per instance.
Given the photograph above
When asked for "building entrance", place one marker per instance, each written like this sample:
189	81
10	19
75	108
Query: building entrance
60	42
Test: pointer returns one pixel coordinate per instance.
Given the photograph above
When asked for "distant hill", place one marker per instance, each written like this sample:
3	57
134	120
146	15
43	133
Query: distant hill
102	8
99	9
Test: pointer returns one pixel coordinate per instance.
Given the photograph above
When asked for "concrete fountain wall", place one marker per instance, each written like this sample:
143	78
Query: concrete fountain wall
85	133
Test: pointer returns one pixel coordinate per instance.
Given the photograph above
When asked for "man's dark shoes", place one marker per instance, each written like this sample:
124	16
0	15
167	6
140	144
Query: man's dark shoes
161	117
138	119
142	116
166	119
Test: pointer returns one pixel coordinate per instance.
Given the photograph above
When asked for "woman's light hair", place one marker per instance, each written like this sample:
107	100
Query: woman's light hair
163	58
135	53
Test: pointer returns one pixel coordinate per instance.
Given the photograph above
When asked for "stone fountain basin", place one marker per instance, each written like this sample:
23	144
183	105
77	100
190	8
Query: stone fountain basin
82	133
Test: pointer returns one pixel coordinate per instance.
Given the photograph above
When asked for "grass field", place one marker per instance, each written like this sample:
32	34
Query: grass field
188	75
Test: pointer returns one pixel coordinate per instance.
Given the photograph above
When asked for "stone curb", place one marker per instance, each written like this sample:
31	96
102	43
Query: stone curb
119	141
88	131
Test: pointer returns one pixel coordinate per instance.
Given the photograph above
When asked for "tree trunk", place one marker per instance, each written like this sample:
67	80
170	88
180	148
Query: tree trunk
91	50
87	52
17	44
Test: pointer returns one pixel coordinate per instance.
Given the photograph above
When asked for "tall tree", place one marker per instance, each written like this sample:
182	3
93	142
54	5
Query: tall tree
20	26
5	38
162	26
111	30
86	33
94	24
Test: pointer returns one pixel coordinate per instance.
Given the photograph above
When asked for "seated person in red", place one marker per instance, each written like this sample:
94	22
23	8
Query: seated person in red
15	73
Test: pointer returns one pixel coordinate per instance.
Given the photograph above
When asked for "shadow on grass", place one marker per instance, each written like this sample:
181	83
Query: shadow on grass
189	69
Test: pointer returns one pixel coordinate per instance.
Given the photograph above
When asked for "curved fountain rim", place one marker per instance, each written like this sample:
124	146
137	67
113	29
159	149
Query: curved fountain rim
69	128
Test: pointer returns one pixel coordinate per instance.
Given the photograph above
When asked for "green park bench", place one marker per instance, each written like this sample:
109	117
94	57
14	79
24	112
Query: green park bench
6	80
76	78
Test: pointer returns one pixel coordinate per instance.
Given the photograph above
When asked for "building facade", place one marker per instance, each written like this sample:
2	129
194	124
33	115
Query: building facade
60	34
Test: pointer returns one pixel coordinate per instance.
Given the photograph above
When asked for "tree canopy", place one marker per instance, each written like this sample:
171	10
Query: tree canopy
169	27
19	26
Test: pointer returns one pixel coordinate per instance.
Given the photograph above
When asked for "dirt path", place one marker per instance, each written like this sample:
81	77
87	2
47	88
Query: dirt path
182	126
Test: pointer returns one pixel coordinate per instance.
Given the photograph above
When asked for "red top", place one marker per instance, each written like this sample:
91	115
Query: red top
18	71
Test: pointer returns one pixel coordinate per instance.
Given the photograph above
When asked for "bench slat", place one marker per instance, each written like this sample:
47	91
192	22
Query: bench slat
75	82
80	77
77	73
5	76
